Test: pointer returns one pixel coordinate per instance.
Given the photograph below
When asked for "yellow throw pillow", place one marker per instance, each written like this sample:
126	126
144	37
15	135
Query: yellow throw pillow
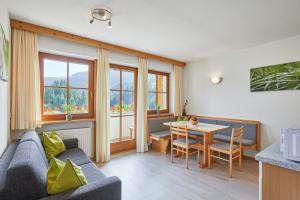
55	167
53	144
70	177
185	119
179	118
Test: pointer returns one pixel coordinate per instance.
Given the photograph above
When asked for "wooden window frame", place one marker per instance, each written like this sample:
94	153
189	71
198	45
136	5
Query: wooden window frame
122	145
91	86
151	112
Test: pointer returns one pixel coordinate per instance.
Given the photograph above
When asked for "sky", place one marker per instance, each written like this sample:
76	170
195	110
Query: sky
59	69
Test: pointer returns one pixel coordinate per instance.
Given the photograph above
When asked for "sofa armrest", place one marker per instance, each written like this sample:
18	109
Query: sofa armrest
71	143
107	189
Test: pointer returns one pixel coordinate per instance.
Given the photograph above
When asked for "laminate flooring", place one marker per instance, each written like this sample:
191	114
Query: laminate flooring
151	176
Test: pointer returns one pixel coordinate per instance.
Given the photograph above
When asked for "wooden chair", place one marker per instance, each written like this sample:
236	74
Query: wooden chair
232	149
181	142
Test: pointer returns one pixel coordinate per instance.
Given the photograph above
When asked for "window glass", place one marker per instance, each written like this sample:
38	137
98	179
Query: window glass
127	81
114	79
79	75
55	73
55	100
157	91
66	86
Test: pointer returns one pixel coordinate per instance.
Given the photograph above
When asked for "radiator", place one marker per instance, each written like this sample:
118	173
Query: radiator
84	136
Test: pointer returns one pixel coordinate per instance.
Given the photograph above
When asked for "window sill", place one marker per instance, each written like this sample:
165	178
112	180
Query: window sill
65	121
160	115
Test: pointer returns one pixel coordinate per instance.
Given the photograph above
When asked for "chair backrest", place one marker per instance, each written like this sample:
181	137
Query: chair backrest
237	137
179	131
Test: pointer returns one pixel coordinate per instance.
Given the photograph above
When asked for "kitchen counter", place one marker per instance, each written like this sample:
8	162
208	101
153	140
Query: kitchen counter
279	178
272	155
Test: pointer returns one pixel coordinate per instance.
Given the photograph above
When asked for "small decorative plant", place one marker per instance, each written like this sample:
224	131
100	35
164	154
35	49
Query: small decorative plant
69	109
158	108
184	107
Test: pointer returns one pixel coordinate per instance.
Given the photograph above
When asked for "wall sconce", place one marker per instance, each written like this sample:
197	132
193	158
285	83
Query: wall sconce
216	80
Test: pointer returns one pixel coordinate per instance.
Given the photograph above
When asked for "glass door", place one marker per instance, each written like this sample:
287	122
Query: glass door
122	108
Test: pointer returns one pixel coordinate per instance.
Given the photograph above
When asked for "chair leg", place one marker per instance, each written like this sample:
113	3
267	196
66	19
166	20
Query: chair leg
230	165
198	156
172	153
209	158
187	158
240	160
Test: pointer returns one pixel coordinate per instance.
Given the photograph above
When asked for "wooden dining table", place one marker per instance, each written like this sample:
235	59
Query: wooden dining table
208	131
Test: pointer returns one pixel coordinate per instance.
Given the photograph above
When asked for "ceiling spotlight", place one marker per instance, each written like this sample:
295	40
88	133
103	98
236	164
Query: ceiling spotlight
102	13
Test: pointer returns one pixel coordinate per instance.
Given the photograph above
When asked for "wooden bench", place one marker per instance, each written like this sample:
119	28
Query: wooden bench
159	134
252	130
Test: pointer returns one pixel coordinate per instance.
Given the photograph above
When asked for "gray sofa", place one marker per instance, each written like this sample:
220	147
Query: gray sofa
23	173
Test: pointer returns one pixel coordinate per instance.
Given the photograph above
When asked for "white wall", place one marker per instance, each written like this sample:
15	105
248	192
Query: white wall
4	89
232	98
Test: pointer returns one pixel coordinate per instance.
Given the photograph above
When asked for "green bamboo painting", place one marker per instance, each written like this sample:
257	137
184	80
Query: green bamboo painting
276	77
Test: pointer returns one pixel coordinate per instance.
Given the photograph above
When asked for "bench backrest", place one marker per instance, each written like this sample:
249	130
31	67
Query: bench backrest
252	129
156	124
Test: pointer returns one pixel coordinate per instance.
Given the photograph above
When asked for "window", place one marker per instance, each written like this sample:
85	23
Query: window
66	85
122	107
158	92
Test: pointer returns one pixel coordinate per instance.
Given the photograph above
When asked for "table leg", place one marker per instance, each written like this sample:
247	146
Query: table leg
207	140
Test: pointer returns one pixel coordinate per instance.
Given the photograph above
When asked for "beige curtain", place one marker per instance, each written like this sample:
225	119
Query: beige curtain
142	99
102	107
25	102
178	91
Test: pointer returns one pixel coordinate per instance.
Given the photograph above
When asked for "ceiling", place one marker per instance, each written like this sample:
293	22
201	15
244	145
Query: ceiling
185	30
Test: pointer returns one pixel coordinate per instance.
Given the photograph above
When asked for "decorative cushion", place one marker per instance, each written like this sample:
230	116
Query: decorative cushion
185	119
70	177
55	167
195	133
179	119
182	141
53	144
161	134
224	146
226	138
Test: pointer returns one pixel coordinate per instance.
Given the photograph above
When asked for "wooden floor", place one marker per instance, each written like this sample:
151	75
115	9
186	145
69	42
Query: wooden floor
152	176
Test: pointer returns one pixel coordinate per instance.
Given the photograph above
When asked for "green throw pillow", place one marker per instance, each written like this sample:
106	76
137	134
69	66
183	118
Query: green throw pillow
53	144
64	176
55	167
179	118
185	119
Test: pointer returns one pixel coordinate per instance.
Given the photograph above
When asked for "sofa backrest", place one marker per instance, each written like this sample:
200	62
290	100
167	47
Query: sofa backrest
156	124
27	173
34	137
5	160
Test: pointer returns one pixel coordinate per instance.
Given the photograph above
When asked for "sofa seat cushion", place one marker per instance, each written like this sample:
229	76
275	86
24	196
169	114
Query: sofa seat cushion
92	173
195	133
226	138
182	141
161	134
76	155
223	146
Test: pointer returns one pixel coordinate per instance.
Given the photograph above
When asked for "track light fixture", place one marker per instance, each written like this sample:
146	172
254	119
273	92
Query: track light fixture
102	13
